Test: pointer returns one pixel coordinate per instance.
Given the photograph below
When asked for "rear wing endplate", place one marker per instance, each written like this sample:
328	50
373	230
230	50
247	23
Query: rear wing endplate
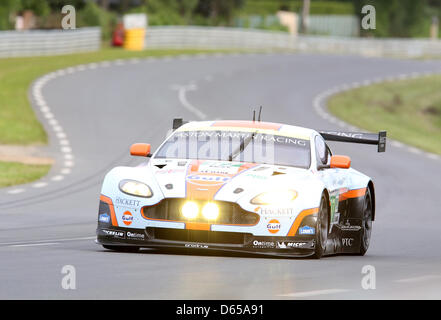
378	139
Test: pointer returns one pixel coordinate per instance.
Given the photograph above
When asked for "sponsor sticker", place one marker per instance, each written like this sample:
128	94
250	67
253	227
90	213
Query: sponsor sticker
348	227
296	244
135	235
273	226
306	230
171	171
274	212
281	245
104	217
114	233
127	218
196	245
347	242
263	244
256	176
126	202
207	179
219	168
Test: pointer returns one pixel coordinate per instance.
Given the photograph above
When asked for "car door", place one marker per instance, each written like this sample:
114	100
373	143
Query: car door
335	179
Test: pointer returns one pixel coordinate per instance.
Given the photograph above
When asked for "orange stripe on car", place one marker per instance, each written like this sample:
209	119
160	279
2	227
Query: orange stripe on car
197	226
248	124
355	193
112	209
292	232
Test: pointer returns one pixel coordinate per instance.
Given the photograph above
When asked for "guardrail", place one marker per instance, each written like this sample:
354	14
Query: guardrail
49	42
237	38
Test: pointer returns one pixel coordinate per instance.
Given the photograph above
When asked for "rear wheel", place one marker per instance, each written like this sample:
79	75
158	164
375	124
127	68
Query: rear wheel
121	248
322	226
366	228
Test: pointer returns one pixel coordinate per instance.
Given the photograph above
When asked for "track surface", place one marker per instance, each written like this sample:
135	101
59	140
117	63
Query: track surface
104	110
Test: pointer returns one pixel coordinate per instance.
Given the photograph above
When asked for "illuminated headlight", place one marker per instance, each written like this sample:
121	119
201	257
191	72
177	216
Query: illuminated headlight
190	210
135	188
275	197
210	211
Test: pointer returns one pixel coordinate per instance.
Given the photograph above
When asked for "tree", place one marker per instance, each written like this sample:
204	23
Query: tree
218	10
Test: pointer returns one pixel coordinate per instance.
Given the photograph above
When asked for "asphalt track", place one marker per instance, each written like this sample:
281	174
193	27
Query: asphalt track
105	108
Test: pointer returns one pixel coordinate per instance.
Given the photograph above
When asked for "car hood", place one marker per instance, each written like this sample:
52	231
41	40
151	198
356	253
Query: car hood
223	180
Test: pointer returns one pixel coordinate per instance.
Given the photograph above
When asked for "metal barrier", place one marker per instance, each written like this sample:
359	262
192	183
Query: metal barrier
49	42
237	38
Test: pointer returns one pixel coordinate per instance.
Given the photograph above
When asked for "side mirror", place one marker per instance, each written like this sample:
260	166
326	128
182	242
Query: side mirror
343	162
140	150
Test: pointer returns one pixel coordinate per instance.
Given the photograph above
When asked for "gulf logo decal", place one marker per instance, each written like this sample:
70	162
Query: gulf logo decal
273	226
127	218
207	179
204	185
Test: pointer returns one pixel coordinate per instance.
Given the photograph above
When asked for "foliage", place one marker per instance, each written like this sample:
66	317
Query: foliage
93	15
268	7
398	18
6	8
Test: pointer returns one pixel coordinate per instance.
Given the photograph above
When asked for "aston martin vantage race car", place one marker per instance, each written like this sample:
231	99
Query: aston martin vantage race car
246	186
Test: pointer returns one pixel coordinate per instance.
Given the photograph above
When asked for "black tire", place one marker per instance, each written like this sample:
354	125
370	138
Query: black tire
121	248
322	227
366	229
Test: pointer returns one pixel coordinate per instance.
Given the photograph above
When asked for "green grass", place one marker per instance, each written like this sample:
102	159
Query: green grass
18	124
410	110
12	173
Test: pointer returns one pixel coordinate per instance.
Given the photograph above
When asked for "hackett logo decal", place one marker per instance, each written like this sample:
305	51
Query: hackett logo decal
127	202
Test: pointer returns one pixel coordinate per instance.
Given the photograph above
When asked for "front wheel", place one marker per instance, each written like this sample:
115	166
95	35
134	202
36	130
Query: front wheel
366	229
322	227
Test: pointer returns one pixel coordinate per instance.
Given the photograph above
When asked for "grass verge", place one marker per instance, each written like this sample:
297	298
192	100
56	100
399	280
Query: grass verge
410	110
18	124
12	173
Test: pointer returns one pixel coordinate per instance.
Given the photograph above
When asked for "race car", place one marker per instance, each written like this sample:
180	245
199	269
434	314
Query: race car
241	186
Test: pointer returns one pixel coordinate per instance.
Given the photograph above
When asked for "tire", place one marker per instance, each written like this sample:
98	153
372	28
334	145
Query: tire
366	229
322	228
121	248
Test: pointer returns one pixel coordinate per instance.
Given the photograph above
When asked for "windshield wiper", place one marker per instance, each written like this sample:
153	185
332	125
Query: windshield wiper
242	146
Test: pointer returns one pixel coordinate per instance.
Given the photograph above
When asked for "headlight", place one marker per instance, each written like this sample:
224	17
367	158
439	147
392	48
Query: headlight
190	210
275	197
135	188
210	211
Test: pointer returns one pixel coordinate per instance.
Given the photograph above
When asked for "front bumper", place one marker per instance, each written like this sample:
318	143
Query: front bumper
297	246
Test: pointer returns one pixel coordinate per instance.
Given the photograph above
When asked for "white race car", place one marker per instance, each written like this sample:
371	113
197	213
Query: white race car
245	186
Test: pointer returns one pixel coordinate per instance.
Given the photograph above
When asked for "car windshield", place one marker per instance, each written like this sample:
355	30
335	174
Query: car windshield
239	146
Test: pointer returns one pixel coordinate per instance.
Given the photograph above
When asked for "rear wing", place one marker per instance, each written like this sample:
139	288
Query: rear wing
378	139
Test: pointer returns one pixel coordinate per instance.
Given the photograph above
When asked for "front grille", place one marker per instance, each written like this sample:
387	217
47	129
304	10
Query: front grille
199	236
229	213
